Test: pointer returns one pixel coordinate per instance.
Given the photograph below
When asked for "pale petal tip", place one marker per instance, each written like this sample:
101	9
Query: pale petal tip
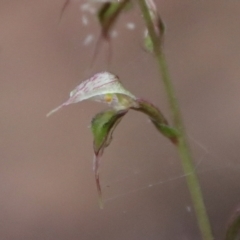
53	111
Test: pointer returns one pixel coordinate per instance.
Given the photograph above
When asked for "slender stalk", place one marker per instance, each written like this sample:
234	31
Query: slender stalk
182	146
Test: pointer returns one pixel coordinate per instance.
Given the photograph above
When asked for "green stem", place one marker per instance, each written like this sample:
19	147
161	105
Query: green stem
183	146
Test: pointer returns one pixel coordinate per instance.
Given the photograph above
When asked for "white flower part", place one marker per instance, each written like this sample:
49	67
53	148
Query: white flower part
104	87
89	38
84	20
145	33
113	34
130	26
92	10
100	84
85	7
188	208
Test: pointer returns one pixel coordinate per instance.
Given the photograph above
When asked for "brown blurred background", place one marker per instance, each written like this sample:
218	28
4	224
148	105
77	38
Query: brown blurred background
47	188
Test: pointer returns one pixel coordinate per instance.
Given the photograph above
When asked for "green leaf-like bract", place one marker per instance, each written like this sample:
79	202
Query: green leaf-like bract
103	125
157	119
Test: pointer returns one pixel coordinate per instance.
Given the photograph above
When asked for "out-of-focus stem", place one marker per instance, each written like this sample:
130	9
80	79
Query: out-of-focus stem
182	146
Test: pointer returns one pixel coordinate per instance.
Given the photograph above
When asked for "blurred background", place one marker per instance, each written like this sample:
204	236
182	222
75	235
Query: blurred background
47	187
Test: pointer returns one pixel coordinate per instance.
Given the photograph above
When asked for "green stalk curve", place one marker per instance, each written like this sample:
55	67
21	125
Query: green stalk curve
182	146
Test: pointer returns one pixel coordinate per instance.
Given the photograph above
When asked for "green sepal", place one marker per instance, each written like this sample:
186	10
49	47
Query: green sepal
102	126
157	119
167	131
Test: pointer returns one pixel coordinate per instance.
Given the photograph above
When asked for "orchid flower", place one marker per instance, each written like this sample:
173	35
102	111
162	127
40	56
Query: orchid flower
106	87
